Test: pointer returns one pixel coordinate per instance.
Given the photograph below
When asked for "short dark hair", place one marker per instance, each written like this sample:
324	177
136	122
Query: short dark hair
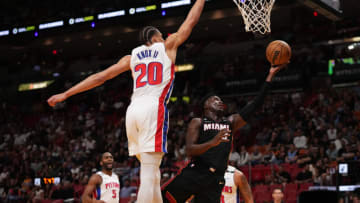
277	188
206	97
147	33
102	155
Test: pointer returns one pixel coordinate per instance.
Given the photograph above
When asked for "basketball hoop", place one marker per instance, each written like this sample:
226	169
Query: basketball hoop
256	15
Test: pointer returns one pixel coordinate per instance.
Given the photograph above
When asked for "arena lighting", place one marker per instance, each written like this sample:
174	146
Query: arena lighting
34	86
23	29
142	9
331	67
184	67
51	25
332	63
111	14
73	21
4	33
185	99
347	188
173	4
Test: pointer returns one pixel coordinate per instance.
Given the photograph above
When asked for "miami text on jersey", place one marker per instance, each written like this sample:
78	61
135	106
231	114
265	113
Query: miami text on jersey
215	126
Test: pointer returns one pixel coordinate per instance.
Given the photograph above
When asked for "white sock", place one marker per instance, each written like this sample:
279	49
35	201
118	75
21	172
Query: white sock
150	177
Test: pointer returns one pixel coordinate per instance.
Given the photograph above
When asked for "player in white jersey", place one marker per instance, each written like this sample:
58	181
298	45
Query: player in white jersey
235	186
147	117
104	186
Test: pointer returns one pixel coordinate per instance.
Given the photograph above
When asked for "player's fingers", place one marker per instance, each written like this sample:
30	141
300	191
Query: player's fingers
225	139
224	131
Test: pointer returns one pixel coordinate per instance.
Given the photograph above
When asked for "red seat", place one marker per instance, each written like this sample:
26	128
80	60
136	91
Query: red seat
304	187
262	196
246	173
244	169
58	201
294	172
261	193
124	200
261	188
290	196
257	175
291	187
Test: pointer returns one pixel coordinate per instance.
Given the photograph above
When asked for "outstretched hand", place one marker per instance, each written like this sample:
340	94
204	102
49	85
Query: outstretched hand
52	101
274	70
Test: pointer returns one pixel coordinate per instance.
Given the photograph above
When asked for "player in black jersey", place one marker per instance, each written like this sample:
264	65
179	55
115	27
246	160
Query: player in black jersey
208	143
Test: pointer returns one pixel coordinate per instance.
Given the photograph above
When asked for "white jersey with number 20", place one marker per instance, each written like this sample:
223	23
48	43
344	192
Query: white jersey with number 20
147	118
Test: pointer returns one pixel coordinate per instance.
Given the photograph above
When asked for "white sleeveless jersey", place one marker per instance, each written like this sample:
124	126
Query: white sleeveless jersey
152	71
109	190
230	193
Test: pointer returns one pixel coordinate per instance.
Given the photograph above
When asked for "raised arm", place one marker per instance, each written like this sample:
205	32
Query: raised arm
244	187
176	39
93	80
193	149
239	120
87	197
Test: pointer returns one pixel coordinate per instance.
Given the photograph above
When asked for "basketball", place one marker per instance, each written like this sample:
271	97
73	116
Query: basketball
278	52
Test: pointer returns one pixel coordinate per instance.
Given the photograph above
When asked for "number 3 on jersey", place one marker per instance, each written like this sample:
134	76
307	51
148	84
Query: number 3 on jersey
154	73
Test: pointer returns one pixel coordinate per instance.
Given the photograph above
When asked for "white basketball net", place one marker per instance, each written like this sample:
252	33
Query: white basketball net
256	14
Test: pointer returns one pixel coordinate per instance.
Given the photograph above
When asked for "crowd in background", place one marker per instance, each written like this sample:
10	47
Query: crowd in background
313	129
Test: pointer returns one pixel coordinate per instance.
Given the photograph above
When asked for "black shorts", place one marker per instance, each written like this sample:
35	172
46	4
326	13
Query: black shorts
206	186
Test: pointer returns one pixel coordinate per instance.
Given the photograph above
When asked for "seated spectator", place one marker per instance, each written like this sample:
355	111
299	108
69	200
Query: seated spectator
305	175
244	157
300	140
291	155
282	175
234	157
256	156
269	157
263	137
332	153
126	190
346	154
331	132
280	154
277	195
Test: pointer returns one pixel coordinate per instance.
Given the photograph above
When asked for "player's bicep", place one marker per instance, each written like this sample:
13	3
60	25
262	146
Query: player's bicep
178	38
237	121
91	186
121	66
244	187
183	33
192	134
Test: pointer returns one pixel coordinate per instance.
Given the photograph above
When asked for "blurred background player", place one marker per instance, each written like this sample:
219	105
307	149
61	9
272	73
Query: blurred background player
153	71
208	143
235	186
277	195
104	186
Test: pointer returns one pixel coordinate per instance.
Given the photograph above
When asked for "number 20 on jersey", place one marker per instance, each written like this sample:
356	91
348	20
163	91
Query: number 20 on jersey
153	73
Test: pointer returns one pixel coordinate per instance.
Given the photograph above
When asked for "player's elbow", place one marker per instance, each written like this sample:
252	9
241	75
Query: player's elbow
189	151
99	78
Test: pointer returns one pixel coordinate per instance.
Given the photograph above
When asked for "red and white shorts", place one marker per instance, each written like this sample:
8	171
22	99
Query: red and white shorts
147	123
